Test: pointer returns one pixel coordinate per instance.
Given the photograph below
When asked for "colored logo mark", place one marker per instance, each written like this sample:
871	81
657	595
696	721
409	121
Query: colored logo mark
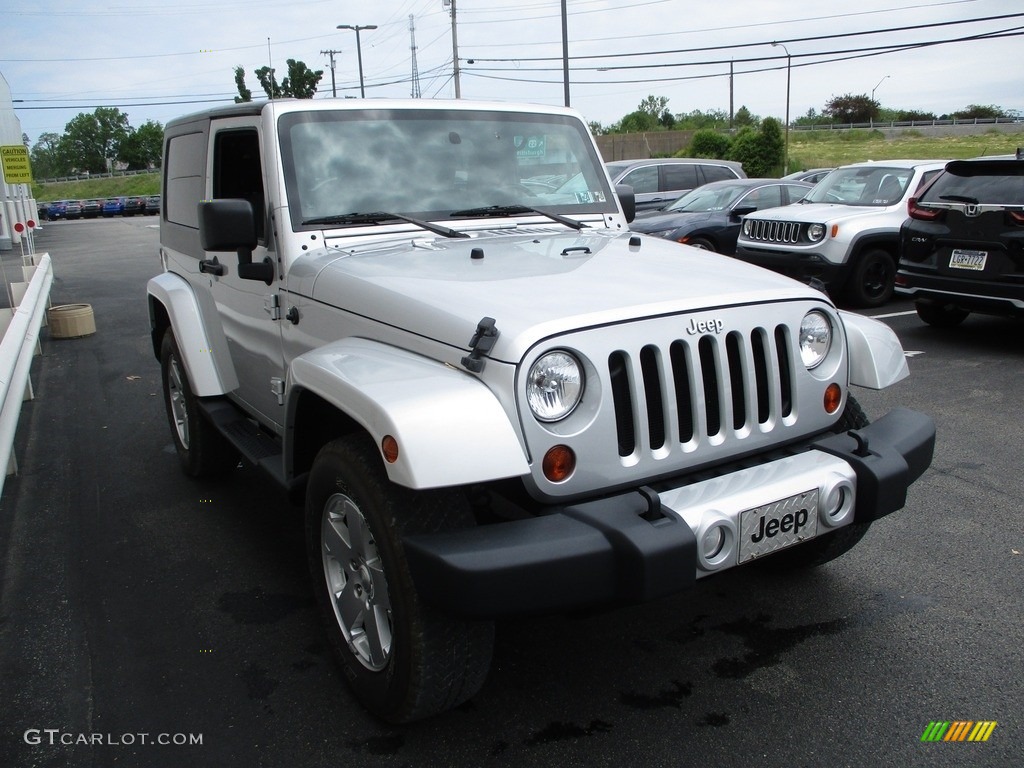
959	730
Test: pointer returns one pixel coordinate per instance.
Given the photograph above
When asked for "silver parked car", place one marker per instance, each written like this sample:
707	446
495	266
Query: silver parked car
658	181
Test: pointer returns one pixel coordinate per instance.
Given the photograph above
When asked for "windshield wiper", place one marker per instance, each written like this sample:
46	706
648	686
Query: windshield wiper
512	210
381	216
960	199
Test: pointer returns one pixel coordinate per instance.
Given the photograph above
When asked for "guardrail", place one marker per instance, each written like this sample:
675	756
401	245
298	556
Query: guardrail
87	176
906	123
16	351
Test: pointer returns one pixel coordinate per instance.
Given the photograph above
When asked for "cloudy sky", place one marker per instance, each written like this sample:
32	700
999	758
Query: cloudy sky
155	60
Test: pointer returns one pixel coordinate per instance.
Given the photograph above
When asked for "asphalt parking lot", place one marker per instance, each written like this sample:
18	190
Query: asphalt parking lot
143	607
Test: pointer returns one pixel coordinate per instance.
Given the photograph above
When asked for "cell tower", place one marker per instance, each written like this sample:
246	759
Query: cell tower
415	70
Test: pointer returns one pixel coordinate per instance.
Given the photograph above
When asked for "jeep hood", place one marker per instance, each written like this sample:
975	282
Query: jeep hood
819	212
533	286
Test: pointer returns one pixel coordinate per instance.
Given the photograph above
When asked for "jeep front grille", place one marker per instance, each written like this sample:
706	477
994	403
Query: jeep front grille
700	390
767	231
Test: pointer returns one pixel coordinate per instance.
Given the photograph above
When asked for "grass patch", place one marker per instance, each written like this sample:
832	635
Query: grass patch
128	186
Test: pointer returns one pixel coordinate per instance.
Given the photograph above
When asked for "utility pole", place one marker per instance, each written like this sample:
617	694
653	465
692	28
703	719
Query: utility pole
415	69
565	53
455	47
330	55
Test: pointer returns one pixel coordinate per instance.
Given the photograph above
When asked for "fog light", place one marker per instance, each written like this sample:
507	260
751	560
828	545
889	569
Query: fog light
836	502
716	542
559	463
833	397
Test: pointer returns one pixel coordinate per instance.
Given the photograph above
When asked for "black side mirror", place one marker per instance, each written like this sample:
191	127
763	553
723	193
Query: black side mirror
229	225
627	199
743	210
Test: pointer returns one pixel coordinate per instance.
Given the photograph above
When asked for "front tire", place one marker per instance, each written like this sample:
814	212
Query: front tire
203	451
873	279
831	545
403	660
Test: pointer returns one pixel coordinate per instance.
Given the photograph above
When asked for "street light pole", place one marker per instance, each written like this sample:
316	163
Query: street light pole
359	52
873	99
789	70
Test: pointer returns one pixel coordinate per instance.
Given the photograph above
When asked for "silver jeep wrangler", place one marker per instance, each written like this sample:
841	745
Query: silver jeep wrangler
429	321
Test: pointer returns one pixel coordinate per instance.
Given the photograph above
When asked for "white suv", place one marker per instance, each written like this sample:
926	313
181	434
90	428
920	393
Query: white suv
492	396
845	232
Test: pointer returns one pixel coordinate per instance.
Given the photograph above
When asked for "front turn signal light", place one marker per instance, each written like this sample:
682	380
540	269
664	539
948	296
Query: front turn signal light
559	463
833	397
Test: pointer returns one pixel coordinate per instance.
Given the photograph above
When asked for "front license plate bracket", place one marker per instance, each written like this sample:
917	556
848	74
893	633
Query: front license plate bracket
777	525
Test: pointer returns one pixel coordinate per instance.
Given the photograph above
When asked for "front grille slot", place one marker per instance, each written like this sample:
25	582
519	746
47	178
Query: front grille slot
767	231
712	388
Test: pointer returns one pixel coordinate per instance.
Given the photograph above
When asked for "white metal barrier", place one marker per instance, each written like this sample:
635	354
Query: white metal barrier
16	350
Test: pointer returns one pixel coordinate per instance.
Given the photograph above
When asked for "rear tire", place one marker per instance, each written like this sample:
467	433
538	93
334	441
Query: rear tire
873	278
940	315
831	545
403	659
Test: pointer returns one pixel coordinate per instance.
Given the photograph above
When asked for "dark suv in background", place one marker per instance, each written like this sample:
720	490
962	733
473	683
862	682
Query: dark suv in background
962	249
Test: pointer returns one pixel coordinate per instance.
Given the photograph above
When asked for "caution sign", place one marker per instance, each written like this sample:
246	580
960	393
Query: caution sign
15	164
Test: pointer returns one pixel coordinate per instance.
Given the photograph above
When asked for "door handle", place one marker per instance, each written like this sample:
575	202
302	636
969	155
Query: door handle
212	267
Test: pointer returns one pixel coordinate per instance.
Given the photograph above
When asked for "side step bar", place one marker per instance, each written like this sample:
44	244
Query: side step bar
255	445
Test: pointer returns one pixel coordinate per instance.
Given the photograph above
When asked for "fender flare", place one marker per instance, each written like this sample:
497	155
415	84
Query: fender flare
450	428
877	359
209	369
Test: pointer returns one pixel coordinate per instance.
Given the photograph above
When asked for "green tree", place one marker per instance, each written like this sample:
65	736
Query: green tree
708	143
743	117
760	150
637	122
46	158
851	109
244	94
696	119
143	147
92	142
300	82
979	112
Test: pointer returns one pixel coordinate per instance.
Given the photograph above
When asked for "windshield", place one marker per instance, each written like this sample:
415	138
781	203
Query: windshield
432	163
708	198
872	186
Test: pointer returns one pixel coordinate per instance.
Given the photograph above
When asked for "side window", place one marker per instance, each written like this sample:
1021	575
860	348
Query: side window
718	173
642	180
183	178
238	171
677	176
926	177
794	193
763	197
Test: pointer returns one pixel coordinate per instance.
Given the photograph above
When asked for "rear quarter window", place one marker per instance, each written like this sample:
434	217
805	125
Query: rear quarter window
717	173
184	164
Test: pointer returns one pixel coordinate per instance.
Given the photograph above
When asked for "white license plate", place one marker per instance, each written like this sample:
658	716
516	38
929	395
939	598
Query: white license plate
778	525
963	259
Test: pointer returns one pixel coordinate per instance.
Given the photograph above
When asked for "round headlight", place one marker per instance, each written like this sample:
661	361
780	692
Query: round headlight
746	227
815	232
554	386
815	338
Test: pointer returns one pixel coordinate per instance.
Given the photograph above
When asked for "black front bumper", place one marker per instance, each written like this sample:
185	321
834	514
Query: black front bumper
622	549
800	266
